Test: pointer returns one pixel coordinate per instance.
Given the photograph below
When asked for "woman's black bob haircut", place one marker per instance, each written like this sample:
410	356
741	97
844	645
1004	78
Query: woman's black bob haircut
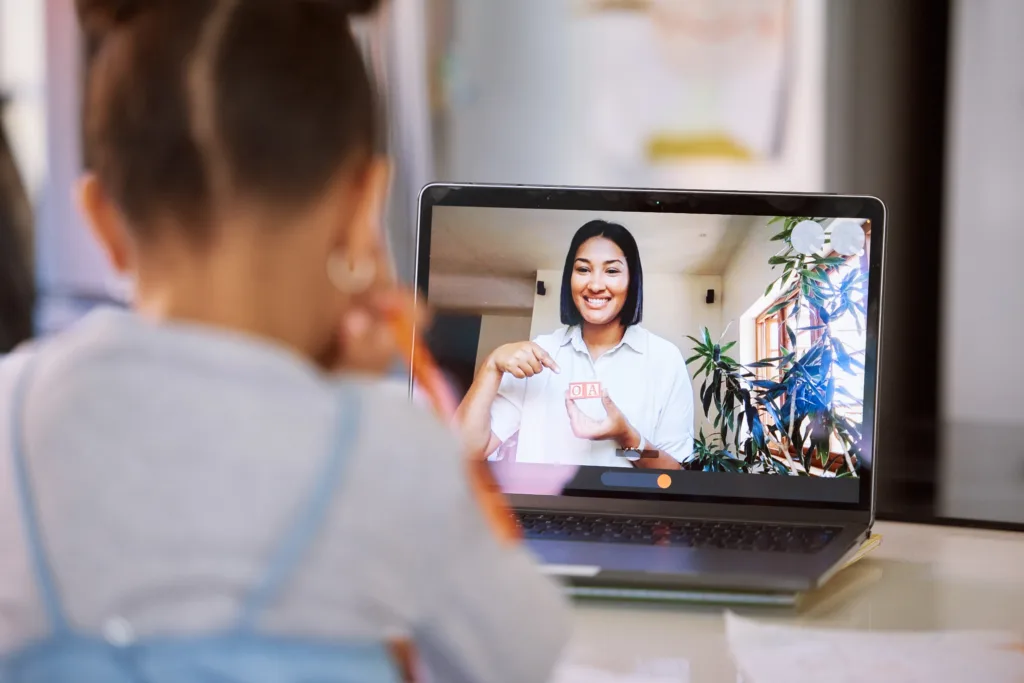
633	309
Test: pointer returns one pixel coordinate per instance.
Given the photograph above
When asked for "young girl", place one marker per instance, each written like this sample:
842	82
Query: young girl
210	468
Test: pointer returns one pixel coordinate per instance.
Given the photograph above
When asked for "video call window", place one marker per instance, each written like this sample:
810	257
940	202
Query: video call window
740	348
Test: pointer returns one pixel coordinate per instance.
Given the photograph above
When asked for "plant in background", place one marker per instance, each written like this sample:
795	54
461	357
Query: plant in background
790	423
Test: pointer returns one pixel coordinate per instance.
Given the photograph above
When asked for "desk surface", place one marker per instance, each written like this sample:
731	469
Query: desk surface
920	578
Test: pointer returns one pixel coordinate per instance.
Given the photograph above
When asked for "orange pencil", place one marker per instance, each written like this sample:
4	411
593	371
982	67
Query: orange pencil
427	374
425	371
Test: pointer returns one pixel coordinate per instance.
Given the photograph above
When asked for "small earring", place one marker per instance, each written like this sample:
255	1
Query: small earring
350	276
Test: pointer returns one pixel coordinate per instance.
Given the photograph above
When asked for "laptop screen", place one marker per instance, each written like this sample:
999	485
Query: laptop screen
656	355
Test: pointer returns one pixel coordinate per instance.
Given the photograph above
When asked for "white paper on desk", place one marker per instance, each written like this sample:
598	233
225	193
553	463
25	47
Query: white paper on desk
766	653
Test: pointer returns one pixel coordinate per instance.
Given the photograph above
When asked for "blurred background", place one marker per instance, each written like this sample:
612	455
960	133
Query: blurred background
920	102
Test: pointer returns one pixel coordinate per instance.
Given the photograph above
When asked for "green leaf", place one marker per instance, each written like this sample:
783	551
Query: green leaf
728	346
695	341
693	358
780	236
777	260
768	289
792	336
816	274
707	338
775	220
728	360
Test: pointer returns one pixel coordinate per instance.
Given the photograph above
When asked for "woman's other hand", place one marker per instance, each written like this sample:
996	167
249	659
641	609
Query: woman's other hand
521	360
614	425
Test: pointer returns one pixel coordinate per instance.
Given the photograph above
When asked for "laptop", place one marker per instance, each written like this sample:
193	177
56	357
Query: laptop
676	390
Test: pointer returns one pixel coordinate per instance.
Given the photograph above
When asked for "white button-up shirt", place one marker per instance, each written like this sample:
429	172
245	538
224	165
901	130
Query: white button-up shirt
645	376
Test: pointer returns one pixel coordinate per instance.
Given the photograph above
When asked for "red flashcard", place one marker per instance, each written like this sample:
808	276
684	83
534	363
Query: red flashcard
584	390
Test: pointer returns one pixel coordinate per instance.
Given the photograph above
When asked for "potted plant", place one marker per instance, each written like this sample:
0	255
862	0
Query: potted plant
790	423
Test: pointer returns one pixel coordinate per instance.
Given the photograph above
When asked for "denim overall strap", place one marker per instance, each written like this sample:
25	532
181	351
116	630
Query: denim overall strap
29	513
303	531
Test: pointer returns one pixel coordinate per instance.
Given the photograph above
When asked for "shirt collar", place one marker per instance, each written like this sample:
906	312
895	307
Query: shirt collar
635	338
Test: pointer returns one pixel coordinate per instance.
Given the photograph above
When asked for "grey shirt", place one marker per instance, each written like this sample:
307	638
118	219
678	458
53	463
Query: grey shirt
167	460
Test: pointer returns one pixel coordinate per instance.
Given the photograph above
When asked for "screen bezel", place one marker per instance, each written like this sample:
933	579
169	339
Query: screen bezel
694	202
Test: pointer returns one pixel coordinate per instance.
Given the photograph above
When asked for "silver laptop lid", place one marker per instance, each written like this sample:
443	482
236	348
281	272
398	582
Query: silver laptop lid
730	336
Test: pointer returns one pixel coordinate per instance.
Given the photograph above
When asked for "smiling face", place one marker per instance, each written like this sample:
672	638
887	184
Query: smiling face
600	281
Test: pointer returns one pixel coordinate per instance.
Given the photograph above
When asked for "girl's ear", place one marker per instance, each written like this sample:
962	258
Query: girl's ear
105	222
364	237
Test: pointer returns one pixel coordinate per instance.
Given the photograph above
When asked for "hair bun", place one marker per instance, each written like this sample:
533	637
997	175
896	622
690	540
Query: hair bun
100	17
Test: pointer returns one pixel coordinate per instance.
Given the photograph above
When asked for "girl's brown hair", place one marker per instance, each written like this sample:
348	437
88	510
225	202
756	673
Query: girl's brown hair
187	100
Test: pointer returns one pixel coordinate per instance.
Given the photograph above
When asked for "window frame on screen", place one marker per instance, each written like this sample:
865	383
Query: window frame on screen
693	202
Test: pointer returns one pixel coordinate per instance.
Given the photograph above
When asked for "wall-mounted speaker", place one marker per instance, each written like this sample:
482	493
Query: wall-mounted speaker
710	298
541	290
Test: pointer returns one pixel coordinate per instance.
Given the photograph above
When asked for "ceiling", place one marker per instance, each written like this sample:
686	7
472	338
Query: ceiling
519	242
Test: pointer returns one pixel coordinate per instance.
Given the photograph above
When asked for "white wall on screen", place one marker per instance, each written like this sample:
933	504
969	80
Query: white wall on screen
743	285
479	293
496	330
546	308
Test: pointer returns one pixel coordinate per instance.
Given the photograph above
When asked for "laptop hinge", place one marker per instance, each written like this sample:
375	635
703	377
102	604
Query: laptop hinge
725	511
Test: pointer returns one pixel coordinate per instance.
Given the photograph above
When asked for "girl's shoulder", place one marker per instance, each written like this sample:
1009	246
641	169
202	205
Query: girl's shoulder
14	364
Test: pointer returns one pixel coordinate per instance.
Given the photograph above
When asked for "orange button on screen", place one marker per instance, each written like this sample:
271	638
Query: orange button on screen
664	481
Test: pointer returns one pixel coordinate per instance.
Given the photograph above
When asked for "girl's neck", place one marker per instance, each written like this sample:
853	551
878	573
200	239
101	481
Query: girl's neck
602	338
256	292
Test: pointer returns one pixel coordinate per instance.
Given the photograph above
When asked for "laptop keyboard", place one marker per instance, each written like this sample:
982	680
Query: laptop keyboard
682	533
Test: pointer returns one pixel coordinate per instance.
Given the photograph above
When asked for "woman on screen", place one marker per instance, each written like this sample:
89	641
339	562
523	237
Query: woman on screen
600	389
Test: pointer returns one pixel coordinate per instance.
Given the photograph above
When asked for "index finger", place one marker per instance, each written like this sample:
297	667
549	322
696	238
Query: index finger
545	360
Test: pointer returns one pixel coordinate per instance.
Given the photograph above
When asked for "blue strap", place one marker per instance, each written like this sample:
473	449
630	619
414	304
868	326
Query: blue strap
29	515
304	529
